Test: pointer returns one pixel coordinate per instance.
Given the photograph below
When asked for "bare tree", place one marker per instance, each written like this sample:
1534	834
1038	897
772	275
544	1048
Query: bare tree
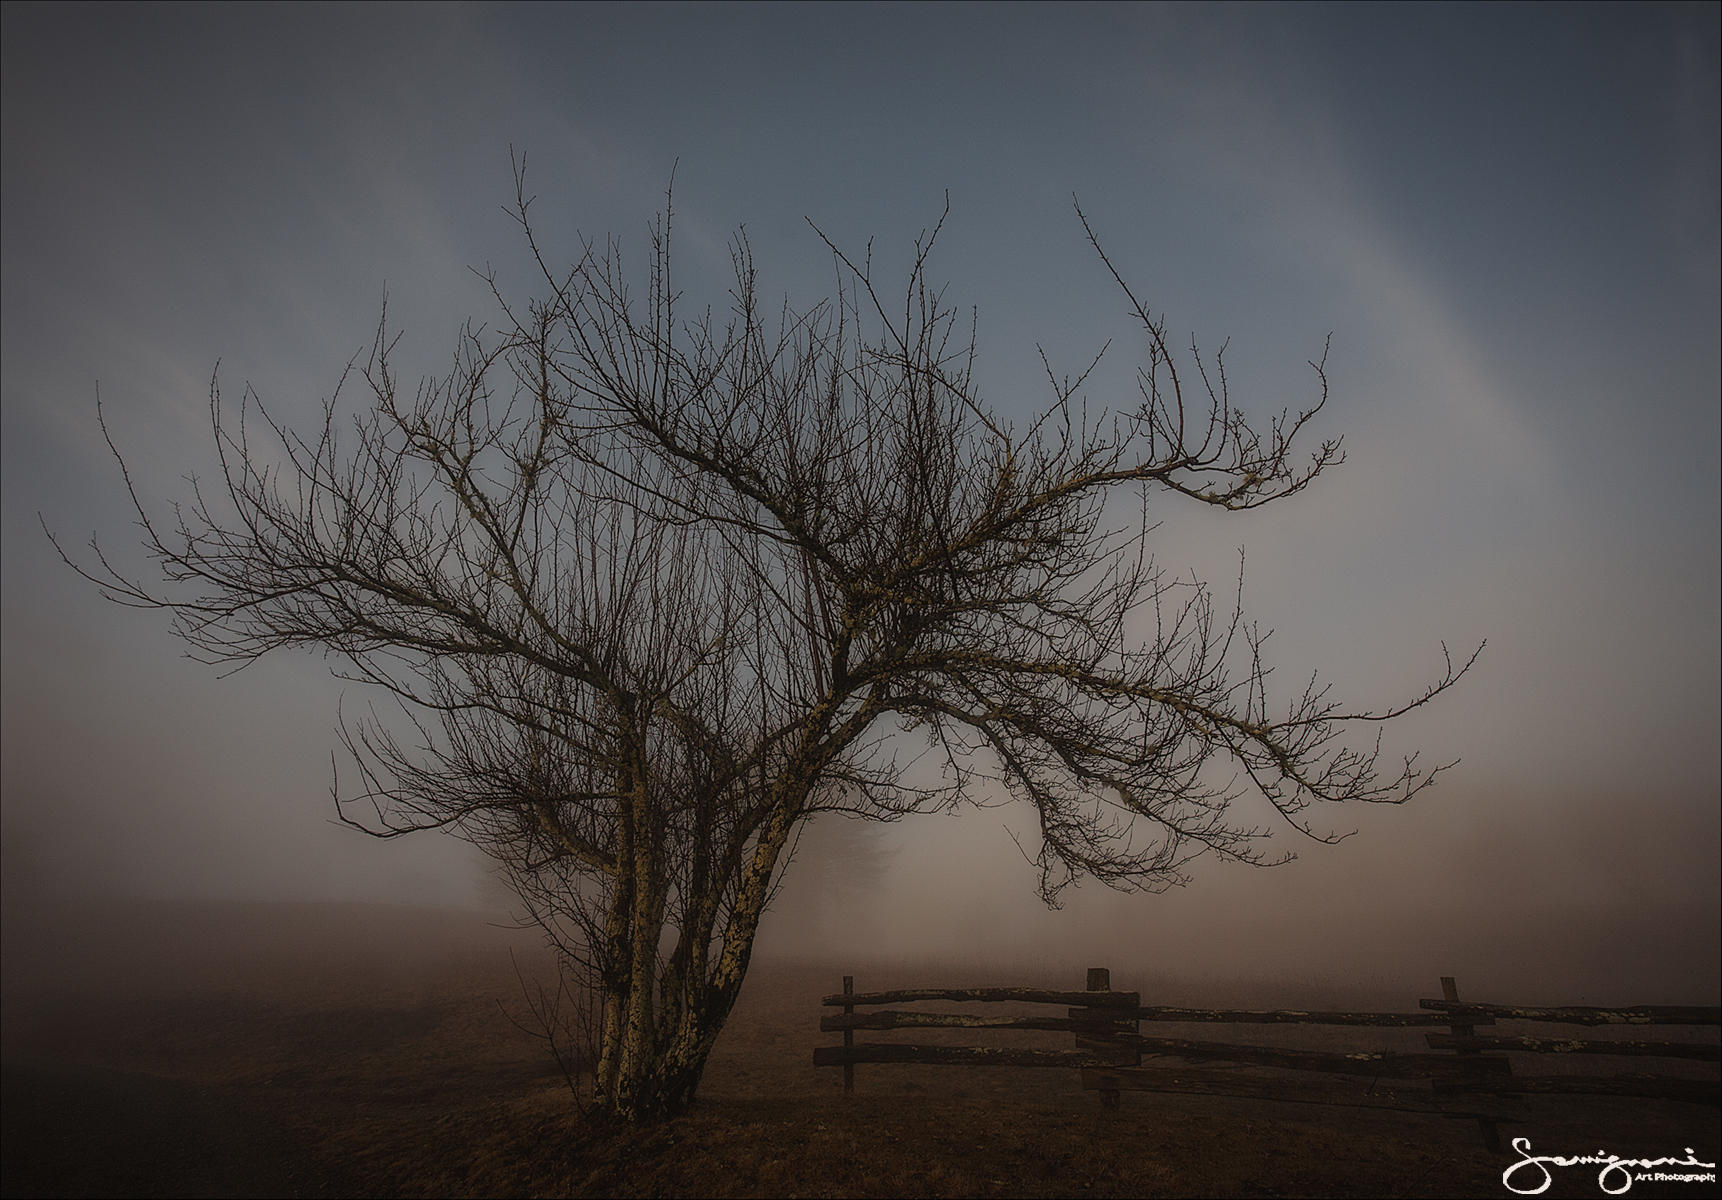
653	587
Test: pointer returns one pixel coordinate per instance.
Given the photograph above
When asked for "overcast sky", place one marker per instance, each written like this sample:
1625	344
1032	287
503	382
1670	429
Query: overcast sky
1506	216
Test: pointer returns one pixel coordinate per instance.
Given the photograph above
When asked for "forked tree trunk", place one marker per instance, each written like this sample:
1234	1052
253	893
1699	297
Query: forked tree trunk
648	1071
653	1083
661	1021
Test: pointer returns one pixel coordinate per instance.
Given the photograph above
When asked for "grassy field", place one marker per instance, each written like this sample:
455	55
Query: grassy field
322	1050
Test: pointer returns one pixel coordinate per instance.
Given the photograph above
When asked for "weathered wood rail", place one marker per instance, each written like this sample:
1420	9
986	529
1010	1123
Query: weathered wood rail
1096	1015
1466	1074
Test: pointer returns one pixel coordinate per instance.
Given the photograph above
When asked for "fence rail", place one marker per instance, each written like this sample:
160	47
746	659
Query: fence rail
1465	1075
1641	1014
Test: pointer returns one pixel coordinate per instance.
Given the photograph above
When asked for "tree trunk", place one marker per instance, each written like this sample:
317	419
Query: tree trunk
661	1021
652	1078
662	1018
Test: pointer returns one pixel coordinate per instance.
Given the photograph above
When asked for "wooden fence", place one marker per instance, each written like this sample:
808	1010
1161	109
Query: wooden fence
1467	1075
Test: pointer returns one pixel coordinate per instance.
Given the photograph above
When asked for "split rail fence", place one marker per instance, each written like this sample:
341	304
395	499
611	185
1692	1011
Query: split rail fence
1467	1074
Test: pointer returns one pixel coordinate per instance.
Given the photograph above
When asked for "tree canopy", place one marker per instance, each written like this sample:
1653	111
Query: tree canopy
653	584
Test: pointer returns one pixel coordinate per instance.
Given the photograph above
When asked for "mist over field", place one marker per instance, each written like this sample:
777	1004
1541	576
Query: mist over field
1506	218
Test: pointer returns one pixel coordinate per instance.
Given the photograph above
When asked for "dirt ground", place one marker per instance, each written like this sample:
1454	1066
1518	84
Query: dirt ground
325	1051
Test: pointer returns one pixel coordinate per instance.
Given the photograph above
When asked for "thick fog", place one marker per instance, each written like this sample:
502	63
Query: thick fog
1506	218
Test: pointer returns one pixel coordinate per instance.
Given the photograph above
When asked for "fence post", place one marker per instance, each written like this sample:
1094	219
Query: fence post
848	1037
1487	1127
1100	980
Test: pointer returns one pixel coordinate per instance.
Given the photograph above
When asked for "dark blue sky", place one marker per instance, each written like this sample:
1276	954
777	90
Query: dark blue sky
1507	217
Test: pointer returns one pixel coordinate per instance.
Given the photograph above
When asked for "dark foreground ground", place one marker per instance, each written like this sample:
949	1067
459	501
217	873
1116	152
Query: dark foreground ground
328	1051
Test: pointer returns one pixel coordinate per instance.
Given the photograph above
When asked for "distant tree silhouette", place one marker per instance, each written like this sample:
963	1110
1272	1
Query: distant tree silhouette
840	870
652	586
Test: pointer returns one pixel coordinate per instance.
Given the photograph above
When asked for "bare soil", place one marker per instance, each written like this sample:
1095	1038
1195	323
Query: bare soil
323	1050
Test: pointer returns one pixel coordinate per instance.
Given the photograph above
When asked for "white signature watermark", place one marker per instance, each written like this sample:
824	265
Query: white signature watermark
1616	1176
